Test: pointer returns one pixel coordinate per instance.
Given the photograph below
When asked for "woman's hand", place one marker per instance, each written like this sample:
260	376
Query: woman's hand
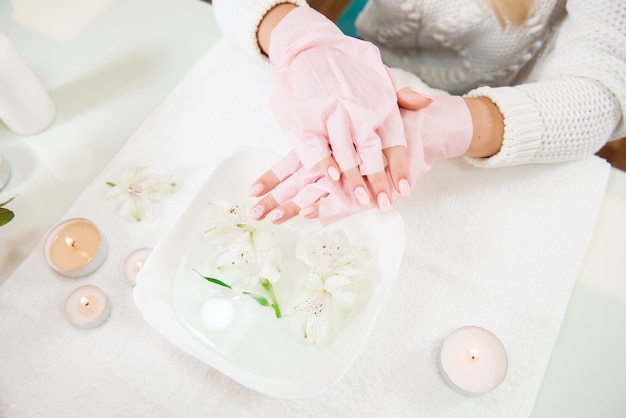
442	130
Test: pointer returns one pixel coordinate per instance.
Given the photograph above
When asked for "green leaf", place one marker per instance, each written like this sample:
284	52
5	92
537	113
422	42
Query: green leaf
260	299
5	216
108	183
7	202
212	280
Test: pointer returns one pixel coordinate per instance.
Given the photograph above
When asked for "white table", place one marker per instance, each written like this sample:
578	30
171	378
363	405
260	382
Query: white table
108	63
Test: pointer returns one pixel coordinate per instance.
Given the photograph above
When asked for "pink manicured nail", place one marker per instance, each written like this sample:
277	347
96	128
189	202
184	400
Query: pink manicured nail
383	201
404	187
334	173
257	211
308	211
256	189
362	195
276	215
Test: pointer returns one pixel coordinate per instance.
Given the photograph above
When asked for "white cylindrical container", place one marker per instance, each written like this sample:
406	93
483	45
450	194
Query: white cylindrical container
25	106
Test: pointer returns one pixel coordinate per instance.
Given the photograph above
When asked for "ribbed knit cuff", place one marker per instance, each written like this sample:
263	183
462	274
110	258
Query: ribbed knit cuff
522	126
248	17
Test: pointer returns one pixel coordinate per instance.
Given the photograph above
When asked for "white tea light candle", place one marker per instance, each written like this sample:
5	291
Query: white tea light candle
87	307
134	262
473	361
75	248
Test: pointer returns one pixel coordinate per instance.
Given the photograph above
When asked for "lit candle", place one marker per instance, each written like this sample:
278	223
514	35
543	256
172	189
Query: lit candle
473	361
134	262
87	307
75	248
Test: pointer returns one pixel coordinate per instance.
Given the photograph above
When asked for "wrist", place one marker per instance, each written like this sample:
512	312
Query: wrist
271	19
488	125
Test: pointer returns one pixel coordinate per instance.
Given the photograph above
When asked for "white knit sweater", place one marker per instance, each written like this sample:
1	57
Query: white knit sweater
559	79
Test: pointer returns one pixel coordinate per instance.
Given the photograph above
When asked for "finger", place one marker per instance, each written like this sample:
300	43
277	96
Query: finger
293	184
379	184
263	184
283	213
330	168
410	99
398	167
261	208
341	138
287	165
391	131
310	212
369	149
284	168
356	185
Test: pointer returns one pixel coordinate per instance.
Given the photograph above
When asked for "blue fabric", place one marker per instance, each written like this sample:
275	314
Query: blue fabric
346	20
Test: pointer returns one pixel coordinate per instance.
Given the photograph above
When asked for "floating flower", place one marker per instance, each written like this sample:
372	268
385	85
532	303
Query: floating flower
327	300
325	308
227	222
138	192
331	253
249	258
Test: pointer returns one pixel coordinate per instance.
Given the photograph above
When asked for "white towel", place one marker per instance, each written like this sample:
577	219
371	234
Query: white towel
499	248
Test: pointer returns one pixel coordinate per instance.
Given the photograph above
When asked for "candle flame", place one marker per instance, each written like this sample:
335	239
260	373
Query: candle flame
473	354
84	301
71	242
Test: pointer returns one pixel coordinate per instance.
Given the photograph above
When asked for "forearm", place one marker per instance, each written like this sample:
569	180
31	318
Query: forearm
269	22
488	125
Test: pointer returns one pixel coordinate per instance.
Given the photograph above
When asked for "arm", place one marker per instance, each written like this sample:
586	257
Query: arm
577	100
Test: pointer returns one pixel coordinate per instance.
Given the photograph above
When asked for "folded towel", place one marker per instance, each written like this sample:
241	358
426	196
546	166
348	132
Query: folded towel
499	248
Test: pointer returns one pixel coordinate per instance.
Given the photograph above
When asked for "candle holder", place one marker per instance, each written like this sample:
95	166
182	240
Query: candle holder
87	307
134	262
5	172
75	248
473	361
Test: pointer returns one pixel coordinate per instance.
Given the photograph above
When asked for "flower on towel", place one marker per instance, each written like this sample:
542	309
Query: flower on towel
138	190
327	298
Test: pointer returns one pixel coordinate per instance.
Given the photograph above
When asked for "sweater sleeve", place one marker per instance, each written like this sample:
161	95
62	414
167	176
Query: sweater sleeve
577	99
240	19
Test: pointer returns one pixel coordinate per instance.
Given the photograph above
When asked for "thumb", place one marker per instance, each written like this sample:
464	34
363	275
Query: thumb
410	99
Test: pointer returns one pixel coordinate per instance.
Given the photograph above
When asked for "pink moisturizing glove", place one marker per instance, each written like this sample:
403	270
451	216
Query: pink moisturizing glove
442	130
332	93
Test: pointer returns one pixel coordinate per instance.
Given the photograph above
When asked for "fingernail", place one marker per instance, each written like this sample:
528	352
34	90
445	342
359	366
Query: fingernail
308	211
257	211
404	187
276	215
334	173
256	189
362	195
383	201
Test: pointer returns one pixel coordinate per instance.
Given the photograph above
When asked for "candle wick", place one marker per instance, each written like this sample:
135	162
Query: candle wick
71	242
474	354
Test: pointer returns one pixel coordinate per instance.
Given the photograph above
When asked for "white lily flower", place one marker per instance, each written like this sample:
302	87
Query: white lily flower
325	308
138	190
227	222
330	253
249	258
